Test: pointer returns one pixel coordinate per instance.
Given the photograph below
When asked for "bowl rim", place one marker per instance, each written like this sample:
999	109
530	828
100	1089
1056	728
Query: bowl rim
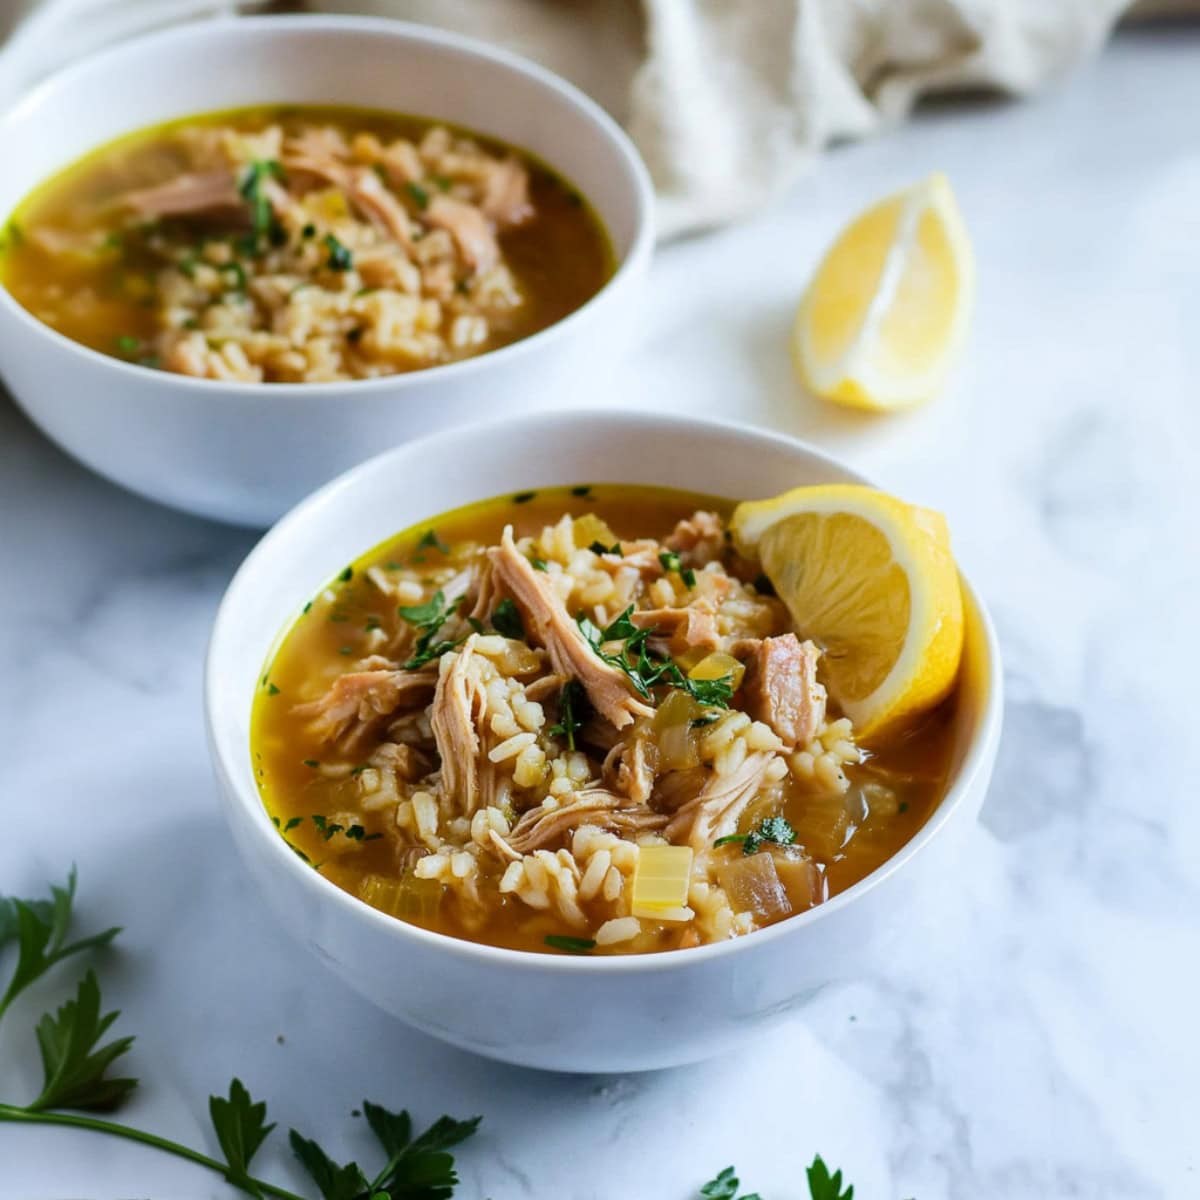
978	753
628	265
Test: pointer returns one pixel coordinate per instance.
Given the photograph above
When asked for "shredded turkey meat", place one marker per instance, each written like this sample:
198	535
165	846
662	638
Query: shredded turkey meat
781	687
549	625
357	704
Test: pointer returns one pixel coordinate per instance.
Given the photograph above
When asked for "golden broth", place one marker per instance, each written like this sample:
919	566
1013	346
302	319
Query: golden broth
99	285
847	836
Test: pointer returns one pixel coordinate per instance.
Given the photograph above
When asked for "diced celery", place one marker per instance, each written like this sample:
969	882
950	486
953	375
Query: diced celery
409	898
660	882
719	665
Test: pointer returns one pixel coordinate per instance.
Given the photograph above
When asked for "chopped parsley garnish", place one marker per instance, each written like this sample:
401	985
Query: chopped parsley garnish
601	548
643	669
345	651
584	489
429	618
538	564
523	497
506	620
292	822
431	541
572	706
670	562
340	258
346	575
262	219
572	945
442	182
309	231
272	690
776	830
127	344
311	762
355	832
418	193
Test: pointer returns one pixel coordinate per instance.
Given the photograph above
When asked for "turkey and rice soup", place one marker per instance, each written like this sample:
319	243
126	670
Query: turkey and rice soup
303	244
577	721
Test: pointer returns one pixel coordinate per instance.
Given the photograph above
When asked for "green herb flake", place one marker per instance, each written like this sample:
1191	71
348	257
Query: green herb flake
127	344
572	712
506	620
538	564
429	618
311	762
584	489
419	194
431	541
523	497
272	690
601	548
292	822
346	575
572	945
340	258
345	651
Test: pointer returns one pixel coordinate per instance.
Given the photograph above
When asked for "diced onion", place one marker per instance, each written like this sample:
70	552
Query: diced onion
753	886
719	665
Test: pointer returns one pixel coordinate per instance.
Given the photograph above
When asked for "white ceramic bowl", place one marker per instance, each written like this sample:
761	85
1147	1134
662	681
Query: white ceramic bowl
246	453
560	1012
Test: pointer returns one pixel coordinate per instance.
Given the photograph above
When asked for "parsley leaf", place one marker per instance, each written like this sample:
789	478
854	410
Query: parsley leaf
420	1168
74	1071
262	219
431	541
725	1187
572	945
429	618
418	193
572	706
601	548
334	1181
670	562
506	620
241	1128
340	258
777	830
823	1186
40	929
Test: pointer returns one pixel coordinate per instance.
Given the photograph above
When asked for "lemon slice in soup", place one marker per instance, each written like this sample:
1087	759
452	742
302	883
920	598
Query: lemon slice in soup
872	580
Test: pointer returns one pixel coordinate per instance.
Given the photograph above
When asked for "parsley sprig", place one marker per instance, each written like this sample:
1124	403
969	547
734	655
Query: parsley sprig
40	929
262	218
572	712
644	669
77	1074
821	1185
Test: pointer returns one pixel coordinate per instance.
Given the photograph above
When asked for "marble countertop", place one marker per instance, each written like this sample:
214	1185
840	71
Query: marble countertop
1044	1044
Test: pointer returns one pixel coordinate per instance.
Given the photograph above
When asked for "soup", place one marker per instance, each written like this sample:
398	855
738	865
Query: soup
303	244
576	721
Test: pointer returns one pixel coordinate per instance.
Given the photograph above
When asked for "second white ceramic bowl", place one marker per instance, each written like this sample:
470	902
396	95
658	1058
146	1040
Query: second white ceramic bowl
248	452
561	1012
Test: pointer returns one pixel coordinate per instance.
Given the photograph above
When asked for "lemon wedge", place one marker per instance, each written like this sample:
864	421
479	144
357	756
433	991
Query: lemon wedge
873	582
890	303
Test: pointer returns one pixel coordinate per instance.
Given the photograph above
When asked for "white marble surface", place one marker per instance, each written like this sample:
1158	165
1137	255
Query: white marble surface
1045	1043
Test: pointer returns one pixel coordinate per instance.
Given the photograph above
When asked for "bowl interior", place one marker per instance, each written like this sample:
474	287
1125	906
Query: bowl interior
214	65
422	479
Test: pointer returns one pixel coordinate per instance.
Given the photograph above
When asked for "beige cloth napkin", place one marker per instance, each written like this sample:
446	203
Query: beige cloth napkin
727	99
